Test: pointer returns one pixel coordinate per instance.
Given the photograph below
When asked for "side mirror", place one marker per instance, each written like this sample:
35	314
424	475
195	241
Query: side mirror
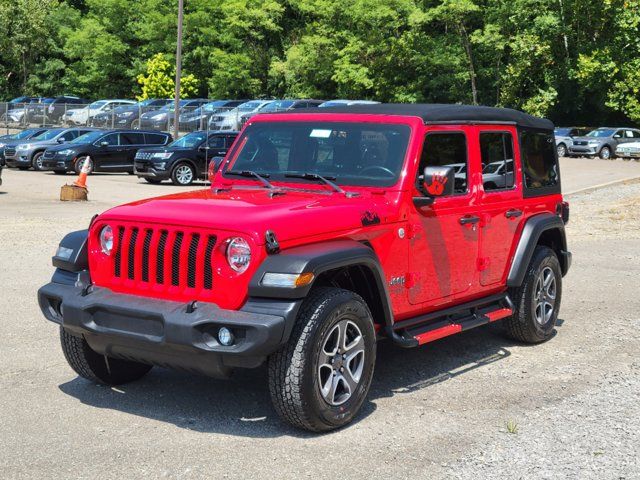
439	181
104	144
61	140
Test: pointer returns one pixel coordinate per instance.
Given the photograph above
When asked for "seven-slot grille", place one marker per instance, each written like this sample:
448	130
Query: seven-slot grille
164	258
143	155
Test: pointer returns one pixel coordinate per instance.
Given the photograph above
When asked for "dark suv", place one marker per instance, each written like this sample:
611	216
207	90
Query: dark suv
53	110
185	159
128	116
109	151
13	140
322	233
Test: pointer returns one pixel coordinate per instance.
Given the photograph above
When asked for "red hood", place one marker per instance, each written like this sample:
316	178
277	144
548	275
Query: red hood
296	214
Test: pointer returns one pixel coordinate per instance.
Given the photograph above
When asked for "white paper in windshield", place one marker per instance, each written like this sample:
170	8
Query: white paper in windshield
320	133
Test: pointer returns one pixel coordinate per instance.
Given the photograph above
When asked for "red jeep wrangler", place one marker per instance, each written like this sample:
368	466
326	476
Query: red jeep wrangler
323	231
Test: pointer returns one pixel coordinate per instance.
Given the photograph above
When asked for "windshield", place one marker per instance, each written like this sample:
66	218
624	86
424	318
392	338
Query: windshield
49	134
97	104
24	134
249	106
191	140
277	105
349	153
87	137
600	133
562	132
48	100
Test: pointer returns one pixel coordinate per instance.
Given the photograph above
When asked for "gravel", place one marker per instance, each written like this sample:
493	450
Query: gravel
439	411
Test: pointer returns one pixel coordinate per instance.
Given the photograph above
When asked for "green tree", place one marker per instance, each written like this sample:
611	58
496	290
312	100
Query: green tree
159	80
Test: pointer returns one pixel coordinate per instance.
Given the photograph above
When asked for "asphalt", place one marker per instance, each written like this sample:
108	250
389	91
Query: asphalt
440	411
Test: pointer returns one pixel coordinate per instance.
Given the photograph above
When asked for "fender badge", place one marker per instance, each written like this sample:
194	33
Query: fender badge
370	218
271	242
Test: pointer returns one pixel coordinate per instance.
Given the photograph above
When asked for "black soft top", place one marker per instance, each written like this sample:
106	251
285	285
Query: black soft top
441	113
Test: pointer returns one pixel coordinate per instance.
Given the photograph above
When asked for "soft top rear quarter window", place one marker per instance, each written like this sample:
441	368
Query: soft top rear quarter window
540	170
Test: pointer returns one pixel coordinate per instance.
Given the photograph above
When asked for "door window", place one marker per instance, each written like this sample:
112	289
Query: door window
496	150
155	139
111	139
70	135
628	134
446	150
216	142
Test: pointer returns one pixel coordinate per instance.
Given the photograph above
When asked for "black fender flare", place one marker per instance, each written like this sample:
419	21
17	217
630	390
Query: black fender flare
533	229
318	258
72	257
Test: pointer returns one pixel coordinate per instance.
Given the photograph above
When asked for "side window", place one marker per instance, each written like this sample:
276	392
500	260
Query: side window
628	134
131	139
155	139
216	142
70	135
229	141
496	149
111	139
636	133
618	134
539	162
446	150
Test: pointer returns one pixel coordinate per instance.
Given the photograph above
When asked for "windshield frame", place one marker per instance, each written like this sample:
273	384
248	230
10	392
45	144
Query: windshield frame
405	126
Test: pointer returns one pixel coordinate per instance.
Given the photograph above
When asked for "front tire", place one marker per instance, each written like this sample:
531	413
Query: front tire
36	162
183	174
562	150
77	167
605	153
537	300
98	368
319	380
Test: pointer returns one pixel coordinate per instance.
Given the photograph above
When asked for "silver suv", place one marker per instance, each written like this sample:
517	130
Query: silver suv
603	142
564	138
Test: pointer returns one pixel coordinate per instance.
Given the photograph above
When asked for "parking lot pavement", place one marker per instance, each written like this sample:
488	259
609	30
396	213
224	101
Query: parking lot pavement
580	173
439	411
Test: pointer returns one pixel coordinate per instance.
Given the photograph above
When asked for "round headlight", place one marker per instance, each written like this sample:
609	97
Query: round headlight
106	240
238	254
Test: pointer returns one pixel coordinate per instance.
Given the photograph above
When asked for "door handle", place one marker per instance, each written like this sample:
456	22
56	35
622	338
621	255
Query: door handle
469	219
513	213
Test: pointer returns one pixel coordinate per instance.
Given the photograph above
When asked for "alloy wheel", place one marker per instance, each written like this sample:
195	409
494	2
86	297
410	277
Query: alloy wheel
341	362
545	295
184	174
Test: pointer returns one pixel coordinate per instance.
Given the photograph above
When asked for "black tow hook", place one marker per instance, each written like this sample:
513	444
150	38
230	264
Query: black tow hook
192	306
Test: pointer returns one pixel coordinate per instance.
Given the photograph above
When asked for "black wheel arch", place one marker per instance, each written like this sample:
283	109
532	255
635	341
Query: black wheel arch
345	264
542	229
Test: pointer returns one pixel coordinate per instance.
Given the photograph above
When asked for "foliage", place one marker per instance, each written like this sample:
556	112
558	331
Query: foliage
576	61
159	80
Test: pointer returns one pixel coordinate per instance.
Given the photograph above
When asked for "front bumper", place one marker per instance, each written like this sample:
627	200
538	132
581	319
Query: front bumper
20	159
58	163
627	154
583	150
165	333
146	169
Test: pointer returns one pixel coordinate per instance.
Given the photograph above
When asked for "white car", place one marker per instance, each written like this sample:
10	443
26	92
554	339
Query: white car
232	119
81	116
497	175
628	150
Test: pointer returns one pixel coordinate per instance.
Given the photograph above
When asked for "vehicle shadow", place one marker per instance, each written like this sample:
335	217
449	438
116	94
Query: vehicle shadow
241	405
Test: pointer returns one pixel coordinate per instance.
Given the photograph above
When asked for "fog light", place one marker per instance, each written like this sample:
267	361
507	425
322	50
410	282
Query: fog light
225	337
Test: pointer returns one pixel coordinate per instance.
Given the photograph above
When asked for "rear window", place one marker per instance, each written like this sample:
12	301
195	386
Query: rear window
155	139
131	139
540	170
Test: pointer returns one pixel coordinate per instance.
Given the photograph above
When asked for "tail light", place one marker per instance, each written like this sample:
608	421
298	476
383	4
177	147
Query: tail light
562	210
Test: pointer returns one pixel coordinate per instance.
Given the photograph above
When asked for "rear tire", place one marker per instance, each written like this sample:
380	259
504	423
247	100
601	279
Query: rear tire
562	150
537	300
98	368
317	381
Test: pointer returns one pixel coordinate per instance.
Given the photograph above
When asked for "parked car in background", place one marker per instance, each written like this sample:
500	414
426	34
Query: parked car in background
28	153
603	142
17	102
628	150
18	114
281	106
497	175
81	116
343	103
51	111
232	119
162	119
128	116
185	160
198	119
16	138
109	151
565	135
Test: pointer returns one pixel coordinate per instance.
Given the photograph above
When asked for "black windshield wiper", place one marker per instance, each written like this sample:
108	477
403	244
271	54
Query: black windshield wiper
315	176
251	173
